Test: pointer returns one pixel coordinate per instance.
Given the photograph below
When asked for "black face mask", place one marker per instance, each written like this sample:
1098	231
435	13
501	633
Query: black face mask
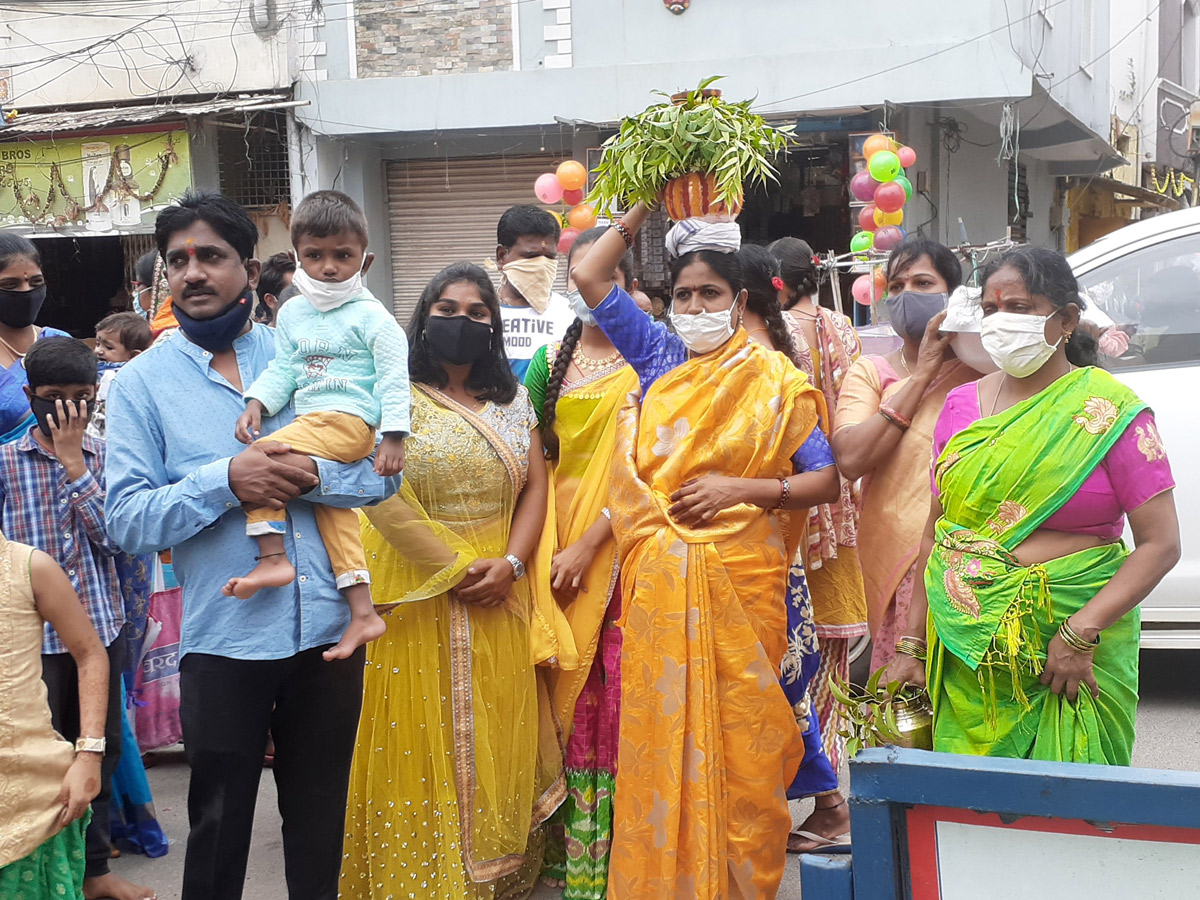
46	412
18	309
458	340
216	335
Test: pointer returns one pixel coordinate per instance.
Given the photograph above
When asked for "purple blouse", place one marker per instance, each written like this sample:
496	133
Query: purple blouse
653	351
1133	471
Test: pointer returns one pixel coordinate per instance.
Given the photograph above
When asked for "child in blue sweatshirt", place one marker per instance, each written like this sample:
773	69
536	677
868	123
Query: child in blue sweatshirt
340	355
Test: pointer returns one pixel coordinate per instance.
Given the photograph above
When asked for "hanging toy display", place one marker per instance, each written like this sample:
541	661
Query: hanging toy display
879	192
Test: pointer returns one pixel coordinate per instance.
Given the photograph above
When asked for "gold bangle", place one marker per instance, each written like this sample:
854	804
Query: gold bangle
1072	639
912	647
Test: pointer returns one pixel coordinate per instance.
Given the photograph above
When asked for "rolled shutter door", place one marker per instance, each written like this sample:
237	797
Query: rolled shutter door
445	211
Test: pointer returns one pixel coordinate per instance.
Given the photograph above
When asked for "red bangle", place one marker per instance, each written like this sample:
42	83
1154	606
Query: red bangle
902	422
785	492
624	231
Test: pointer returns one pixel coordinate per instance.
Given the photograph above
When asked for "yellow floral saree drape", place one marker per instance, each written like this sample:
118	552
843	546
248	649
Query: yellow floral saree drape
457	759
708	740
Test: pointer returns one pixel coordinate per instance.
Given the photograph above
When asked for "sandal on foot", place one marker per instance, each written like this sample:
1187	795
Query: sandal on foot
837	844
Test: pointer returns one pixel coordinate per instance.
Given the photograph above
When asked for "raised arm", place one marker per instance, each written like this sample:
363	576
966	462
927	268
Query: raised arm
593	275
865	438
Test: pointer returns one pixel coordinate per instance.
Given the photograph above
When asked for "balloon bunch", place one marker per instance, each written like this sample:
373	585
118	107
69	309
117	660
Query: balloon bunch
566	185
883	186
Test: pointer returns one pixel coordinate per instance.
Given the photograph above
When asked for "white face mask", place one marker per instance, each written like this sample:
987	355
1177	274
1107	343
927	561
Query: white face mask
1017	343
705	331
327	295
532	279
580	308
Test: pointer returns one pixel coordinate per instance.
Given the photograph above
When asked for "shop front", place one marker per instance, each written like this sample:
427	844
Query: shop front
89	203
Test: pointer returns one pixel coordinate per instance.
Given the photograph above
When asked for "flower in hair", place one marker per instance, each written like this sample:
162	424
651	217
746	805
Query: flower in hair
777	283
816	260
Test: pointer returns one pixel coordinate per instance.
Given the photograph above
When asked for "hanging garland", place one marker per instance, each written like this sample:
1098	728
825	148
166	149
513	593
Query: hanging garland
75	213
1175	183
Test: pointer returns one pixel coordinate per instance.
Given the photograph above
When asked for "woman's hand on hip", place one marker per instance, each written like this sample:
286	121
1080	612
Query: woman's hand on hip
906	670
1066	669
699	500
487	582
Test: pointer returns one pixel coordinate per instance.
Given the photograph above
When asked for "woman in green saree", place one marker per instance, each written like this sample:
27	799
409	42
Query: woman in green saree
1029	592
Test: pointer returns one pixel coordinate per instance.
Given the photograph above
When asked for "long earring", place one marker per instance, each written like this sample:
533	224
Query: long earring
1068	337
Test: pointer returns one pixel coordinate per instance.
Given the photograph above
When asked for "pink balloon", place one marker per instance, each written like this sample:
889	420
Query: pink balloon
573	198
864	290
908	156
567	239
890	197
888	237
862	186
866	218
548	188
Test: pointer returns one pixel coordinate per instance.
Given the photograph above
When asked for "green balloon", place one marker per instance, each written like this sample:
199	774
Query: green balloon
862	242
907	185
884	166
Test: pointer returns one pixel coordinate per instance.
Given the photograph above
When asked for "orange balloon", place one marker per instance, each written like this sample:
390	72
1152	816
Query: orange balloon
880	278
571	175
885	218
582	217
875	143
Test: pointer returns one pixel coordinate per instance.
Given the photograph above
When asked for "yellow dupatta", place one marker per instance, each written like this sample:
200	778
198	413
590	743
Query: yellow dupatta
586	425
708	740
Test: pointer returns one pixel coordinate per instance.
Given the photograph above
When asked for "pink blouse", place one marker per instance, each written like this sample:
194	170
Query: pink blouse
1133	471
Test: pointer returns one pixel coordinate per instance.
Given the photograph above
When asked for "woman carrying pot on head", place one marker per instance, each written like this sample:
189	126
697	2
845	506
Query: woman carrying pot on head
884	428
722	439
22	293
577	387
1030	598
457	762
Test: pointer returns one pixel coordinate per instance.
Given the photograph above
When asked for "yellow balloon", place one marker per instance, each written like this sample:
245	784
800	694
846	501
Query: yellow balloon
884	218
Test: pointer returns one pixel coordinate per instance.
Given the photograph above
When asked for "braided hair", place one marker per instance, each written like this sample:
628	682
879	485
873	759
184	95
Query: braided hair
759	269
796	267
562	362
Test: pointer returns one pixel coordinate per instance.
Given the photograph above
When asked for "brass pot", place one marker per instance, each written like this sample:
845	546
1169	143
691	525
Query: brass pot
914	721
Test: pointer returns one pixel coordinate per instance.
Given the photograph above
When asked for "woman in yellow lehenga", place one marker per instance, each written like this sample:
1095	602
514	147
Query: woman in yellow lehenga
457	763
577	387
705	470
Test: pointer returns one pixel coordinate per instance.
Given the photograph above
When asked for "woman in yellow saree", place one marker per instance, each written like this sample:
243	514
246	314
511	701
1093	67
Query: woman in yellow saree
457	760
703	477
577	387
1031	594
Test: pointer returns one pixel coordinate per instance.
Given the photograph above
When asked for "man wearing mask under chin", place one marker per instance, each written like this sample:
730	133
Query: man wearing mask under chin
533	314
177	477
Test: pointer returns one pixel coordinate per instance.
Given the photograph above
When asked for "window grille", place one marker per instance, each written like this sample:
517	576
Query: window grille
253	160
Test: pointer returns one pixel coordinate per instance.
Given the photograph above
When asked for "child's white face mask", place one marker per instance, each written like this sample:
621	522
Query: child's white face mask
328	295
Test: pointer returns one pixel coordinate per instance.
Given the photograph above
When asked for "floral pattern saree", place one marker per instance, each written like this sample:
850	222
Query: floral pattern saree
709	741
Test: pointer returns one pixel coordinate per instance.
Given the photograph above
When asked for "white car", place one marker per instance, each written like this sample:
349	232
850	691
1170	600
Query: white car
1146	276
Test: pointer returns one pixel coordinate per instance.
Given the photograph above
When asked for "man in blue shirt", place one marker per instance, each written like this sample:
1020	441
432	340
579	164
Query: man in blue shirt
176	479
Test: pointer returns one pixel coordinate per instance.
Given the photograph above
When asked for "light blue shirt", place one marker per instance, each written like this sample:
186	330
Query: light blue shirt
170	439
352	359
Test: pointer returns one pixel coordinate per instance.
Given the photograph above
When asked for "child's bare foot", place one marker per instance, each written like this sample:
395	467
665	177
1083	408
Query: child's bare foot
271	571
362	630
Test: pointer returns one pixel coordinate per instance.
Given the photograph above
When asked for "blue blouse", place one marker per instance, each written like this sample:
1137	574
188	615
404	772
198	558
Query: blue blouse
653	351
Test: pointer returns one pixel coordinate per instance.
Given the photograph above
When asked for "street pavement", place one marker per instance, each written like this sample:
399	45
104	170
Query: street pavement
1168	734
